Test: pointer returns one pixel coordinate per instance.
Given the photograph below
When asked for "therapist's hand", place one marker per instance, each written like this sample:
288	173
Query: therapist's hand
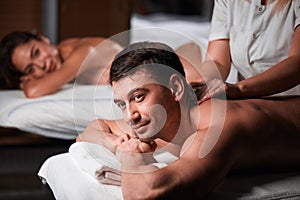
233	91
216	88
208	89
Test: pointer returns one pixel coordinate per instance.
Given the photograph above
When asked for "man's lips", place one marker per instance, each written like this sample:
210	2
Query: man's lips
138	127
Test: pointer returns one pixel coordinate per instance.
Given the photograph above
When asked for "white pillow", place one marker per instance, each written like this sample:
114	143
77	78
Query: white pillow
60	115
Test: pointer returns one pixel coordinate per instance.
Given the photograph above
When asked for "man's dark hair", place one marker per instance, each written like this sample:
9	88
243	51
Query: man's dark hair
144	54
9	76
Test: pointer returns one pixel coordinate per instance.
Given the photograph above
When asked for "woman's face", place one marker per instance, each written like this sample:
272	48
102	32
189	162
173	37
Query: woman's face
36	58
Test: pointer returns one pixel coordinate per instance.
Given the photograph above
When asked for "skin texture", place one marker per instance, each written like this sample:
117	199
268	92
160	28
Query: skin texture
214	137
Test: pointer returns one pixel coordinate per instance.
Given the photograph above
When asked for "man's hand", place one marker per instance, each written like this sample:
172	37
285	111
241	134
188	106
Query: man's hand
134	153
112	142
135	145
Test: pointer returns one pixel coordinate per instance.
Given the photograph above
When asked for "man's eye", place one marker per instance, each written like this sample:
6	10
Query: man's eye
138	97
121	105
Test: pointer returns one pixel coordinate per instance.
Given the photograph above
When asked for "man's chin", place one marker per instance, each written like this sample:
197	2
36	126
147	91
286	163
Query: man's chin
146	135
147	139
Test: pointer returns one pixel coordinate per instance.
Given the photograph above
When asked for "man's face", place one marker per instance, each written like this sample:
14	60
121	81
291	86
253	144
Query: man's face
147	106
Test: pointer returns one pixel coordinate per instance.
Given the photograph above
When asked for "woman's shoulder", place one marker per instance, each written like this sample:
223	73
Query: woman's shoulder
76	41
68	42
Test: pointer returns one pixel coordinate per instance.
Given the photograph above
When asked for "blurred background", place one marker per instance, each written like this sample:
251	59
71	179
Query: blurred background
21	155
60	19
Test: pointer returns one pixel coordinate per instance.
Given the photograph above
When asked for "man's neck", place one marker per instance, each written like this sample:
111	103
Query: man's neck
188	125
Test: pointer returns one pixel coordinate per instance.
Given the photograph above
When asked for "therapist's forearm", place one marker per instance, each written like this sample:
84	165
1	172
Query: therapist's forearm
211	69
279	78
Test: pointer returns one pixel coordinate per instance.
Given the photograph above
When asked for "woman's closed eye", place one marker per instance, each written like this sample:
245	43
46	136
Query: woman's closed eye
36	53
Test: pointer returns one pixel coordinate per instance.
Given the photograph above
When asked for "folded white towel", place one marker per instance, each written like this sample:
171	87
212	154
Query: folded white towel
102	164
68	182
107	175
97	161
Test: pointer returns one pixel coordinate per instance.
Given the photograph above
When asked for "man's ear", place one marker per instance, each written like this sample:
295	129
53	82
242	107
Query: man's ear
176	86
44	39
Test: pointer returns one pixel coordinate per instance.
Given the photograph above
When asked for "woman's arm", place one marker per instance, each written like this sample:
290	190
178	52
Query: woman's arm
213	71
217	62
280	77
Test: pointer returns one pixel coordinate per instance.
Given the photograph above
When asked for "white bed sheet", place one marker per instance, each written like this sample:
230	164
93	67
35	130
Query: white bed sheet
60	115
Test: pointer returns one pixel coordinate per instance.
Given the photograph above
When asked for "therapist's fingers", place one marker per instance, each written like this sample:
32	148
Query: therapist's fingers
200	90
205	91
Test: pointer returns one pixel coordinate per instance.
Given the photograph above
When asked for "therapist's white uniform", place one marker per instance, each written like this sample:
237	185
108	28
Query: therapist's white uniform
258	38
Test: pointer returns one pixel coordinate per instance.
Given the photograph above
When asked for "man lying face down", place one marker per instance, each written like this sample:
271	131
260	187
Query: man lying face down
214	137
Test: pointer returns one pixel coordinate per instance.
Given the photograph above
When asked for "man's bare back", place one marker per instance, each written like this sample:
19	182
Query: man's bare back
258	132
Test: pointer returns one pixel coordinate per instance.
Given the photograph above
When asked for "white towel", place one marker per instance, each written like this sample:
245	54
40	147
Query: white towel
107	175
97	161
103	165
68	182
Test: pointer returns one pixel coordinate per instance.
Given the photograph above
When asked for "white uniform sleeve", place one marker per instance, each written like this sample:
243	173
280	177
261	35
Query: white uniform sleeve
297	13
220	22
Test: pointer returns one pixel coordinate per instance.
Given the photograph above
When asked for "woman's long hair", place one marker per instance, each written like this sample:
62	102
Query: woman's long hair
9	76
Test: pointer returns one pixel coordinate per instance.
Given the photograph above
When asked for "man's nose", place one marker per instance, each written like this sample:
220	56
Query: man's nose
133	114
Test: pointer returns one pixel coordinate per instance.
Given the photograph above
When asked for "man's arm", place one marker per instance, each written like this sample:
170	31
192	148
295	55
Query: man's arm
109	133
95	132
189	176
